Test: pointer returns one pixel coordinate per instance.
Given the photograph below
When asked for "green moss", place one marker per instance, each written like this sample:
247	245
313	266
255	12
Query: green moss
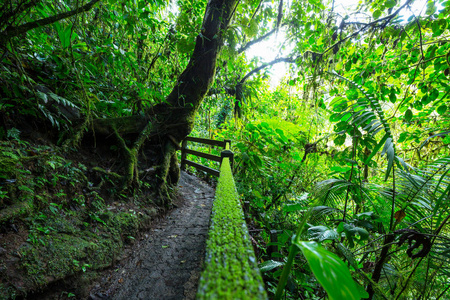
16	210
62	224
123	224
9	162
63	255
230	271
70	230
68	249
127	222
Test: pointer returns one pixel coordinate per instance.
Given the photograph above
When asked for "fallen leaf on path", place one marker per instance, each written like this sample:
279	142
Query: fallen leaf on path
164	247
120	280
183	261
173	236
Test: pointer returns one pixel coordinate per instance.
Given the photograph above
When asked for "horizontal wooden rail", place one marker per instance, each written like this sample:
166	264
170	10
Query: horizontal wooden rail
207	141
202	168
225	144
205	155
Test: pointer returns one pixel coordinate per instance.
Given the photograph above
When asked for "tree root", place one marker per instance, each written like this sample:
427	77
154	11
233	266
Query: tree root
167	171
106	172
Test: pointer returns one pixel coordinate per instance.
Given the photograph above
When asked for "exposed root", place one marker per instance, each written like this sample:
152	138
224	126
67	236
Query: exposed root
107	172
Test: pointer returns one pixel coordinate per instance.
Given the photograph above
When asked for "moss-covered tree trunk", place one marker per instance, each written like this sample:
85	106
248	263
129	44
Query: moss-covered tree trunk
172	121
175	118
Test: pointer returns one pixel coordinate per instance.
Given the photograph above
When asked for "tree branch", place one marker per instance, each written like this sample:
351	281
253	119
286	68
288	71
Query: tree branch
255	41
7	15
265	65
11	32
280	14
234	91
386	21
256	11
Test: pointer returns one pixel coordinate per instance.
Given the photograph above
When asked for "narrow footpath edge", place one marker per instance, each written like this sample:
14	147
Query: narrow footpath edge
166	263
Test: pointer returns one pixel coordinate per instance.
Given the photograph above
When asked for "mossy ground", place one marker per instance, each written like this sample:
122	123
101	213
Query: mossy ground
59	219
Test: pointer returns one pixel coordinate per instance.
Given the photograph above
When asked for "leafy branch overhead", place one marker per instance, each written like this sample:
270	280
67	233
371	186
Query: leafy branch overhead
10	30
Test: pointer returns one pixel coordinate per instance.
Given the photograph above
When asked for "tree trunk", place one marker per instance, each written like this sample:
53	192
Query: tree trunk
172	121
176	117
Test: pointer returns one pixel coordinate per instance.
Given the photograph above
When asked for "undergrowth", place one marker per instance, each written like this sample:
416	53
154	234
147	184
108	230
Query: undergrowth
59	218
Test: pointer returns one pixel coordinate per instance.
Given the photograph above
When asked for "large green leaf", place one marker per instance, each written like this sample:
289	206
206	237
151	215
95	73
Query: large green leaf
293	207
330	271
377	148
322	233
408	115
390	154
441	109
351	231
376	14
390	3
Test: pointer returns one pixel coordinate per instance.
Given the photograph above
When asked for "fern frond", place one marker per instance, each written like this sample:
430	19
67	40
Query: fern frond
370	117
48	115
425	193
321	212
443	134
331	191
374	104
62	101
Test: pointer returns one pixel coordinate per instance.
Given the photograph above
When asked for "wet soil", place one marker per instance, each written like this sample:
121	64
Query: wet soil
167	261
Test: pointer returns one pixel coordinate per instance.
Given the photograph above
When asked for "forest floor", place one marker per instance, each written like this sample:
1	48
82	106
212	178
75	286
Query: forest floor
68	232
167	261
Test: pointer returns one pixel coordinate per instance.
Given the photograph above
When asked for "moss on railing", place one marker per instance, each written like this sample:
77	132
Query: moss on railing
230	270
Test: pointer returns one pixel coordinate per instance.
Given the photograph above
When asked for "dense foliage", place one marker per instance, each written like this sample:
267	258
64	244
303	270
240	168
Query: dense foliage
359	132
349	151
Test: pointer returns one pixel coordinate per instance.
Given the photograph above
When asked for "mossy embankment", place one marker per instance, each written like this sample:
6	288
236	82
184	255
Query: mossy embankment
230	271
60	219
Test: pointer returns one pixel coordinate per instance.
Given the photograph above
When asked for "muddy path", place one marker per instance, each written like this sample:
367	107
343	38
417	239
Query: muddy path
166	263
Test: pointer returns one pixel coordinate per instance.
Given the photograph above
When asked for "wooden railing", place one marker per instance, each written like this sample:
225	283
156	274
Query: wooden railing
185	150
230	266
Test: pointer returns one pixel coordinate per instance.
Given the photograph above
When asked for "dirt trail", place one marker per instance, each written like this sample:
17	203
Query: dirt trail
166	264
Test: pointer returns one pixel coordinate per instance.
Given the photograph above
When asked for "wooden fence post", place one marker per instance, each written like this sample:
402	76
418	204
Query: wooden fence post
183	155
273	239
227	153
227	144
226	147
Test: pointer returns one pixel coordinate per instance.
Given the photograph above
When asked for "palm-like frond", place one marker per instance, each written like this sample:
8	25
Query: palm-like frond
319	213
424	194
362	114
333	192
366	113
